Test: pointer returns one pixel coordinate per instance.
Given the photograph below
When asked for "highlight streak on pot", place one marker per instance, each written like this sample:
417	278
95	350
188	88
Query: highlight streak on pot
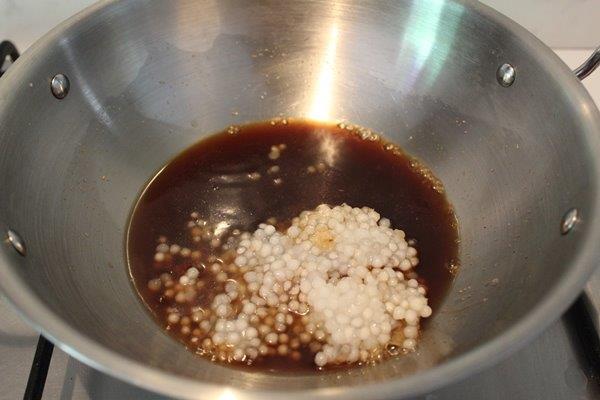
321	104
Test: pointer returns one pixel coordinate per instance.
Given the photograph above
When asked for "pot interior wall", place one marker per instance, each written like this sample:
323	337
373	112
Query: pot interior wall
148	80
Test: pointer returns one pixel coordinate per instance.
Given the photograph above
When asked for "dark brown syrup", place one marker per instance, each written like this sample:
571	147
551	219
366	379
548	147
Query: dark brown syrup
229	178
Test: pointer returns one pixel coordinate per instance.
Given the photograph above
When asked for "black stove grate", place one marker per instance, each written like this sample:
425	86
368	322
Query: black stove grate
39	370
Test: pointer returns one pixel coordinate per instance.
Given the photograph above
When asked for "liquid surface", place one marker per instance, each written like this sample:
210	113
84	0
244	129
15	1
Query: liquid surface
230	181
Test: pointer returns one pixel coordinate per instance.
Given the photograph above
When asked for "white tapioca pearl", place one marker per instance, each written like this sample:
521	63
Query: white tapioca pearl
411	332
409	344
411	317
426	311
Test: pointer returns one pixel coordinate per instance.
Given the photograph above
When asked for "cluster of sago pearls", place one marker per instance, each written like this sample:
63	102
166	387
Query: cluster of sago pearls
342	269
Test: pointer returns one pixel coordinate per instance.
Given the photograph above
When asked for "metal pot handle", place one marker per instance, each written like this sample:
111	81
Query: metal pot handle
588	65
7	50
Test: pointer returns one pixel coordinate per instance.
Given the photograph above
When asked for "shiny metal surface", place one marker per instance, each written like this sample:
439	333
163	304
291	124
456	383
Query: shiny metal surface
149	79
569	220
60	85
506	75
14	239
589	65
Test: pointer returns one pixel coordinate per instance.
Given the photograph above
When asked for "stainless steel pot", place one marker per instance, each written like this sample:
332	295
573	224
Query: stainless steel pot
516	145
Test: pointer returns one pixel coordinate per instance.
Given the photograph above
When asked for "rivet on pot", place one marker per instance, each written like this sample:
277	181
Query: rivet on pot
569	220
15	240
506	75
60	86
